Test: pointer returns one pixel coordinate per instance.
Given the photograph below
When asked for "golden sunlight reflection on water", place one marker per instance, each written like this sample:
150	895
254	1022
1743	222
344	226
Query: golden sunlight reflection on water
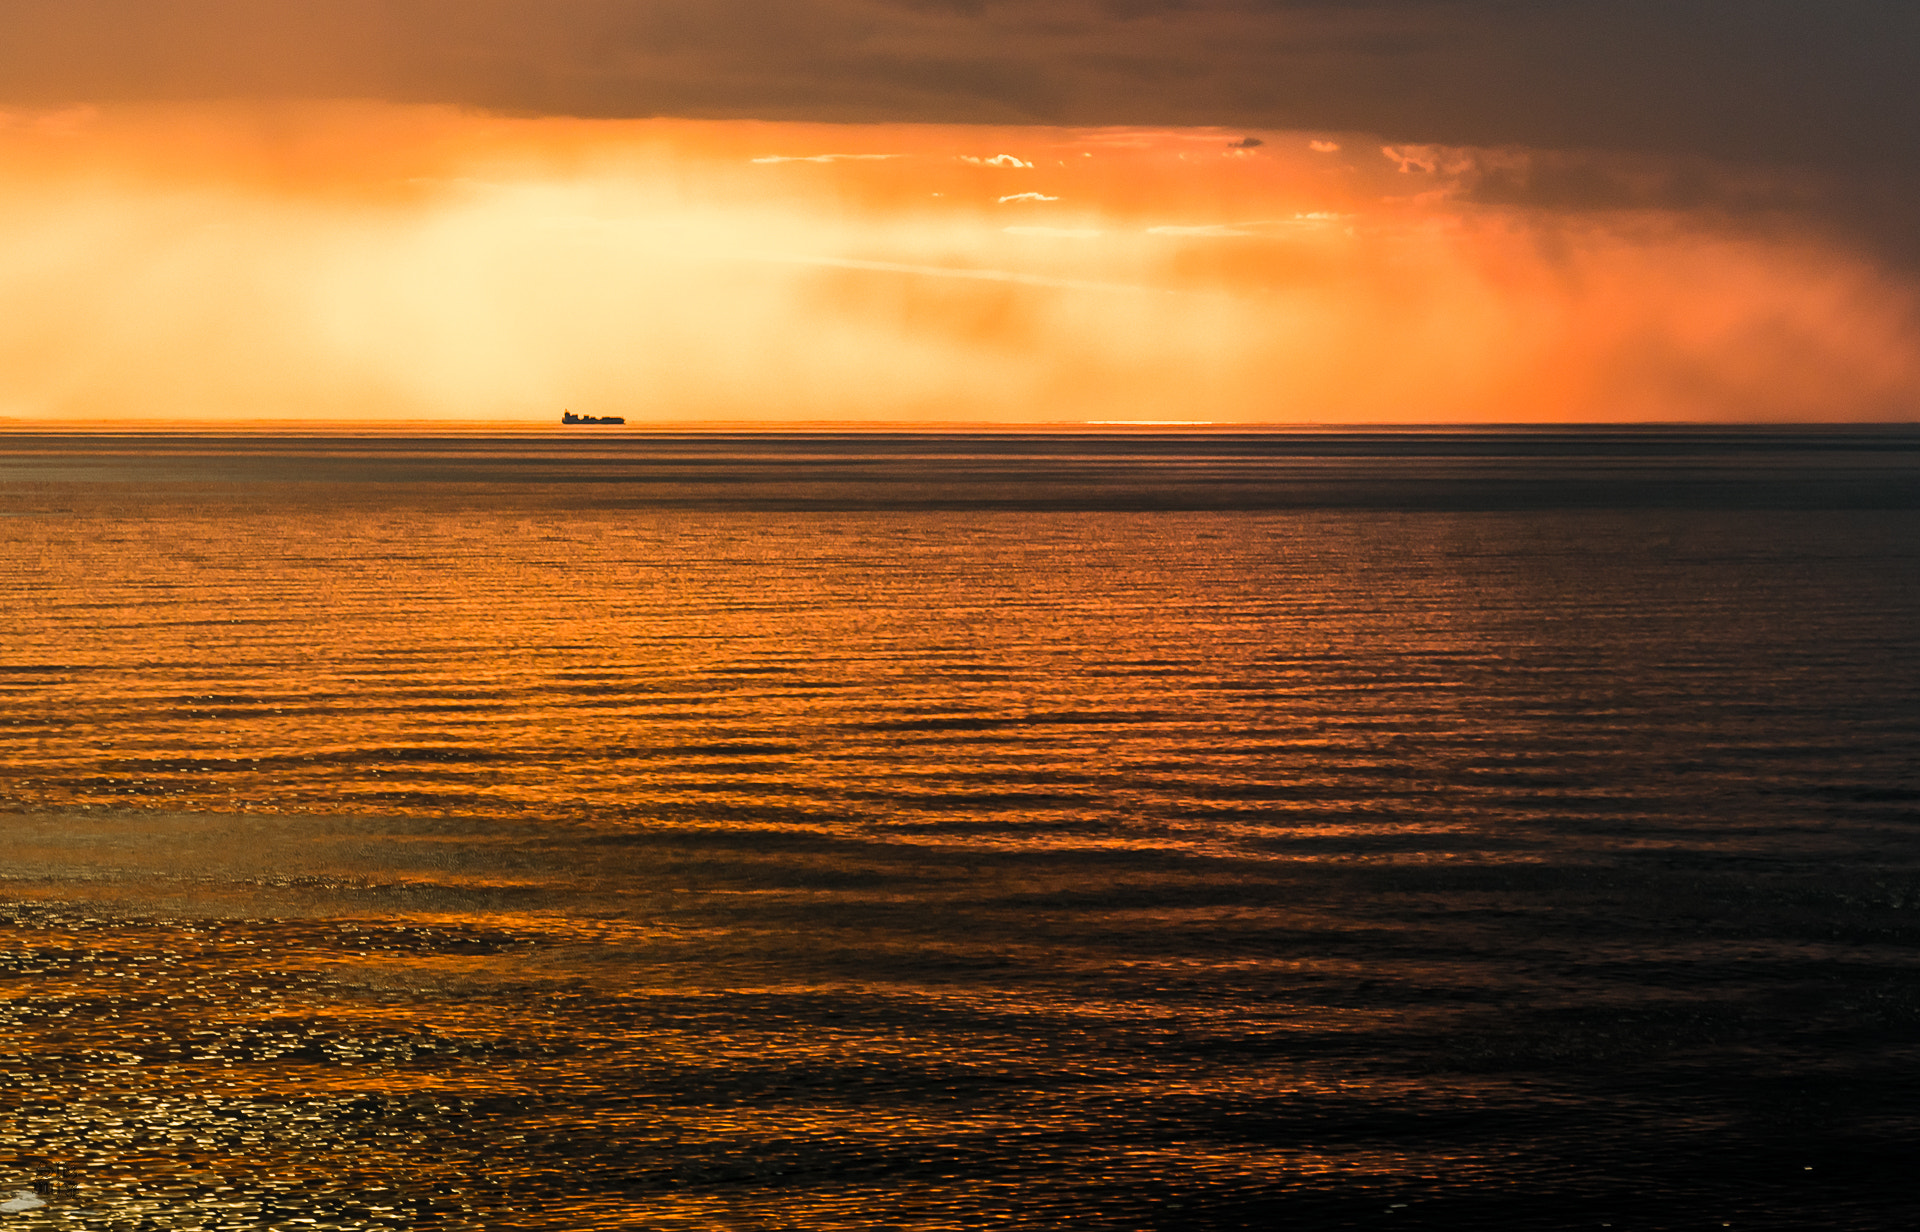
450	856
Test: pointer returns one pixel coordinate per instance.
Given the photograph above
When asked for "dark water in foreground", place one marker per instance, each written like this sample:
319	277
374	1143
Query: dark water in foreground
1494	830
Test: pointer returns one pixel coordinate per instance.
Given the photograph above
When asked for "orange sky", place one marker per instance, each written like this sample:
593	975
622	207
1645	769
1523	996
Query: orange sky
379	261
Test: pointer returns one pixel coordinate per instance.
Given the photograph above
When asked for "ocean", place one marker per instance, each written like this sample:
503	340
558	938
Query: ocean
1491	828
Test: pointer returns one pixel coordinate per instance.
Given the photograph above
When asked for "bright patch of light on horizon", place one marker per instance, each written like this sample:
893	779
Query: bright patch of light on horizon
825	158
1067	233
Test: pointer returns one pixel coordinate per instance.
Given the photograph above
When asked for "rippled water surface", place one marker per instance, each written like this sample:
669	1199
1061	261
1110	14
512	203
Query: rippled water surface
1337	830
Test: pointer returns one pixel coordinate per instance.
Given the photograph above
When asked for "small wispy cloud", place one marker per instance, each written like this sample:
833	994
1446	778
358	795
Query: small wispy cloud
1210	231
1246	143
824	158
1026	196
998	160
1058	233
1411	158
1324	147
1447	160
1254	228
964	273
65	122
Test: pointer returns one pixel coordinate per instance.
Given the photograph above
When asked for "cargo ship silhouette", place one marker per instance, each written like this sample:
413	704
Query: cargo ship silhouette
568	417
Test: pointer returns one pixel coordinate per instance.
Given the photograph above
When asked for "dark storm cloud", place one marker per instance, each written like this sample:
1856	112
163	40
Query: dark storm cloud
1825	83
